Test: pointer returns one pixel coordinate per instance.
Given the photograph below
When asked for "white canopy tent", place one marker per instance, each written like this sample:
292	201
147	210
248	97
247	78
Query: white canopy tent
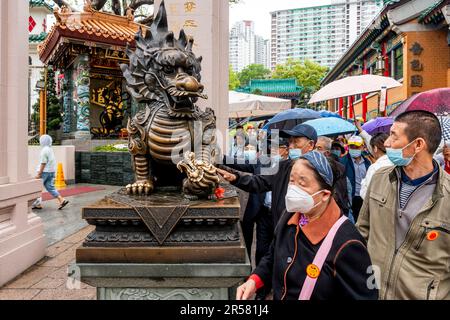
244	105
350	86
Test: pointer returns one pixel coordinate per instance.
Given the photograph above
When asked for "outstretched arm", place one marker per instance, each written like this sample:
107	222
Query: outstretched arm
248	182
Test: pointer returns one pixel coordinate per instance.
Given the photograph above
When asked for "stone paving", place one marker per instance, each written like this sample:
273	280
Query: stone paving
65	230
47	280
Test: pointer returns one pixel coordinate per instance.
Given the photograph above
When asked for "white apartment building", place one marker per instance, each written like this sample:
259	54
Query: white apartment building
320	33
245	47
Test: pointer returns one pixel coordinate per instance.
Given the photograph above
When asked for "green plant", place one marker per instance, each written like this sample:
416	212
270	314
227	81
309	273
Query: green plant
234	80
252	72
110	148
308	73
54	106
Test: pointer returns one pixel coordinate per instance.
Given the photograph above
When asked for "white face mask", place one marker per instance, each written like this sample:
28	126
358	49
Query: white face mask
298	200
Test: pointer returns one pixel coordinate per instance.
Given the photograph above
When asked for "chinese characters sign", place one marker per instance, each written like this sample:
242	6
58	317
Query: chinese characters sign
416	65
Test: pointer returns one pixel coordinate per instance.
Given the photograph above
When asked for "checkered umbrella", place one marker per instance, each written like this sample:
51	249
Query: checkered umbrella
445	124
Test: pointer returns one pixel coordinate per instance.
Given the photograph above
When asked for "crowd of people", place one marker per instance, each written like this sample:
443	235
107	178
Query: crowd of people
349	217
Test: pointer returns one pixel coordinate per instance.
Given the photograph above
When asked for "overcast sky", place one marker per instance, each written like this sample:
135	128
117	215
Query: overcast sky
259	11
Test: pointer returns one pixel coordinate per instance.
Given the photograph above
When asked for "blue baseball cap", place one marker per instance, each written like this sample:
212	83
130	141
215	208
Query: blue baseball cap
301	130
321	165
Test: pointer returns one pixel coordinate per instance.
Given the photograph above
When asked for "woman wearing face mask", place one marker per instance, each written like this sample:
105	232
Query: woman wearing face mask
316	253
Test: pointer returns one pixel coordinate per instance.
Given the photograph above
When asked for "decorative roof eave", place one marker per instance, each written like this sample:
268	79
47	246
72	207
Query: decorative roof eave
284	94
37	38
274	85
40	4
434	13
93	26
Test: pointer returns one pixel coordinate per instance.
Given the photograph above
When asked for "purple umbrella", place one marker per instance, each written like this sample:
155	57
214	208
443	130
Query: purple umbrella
435	101
378	125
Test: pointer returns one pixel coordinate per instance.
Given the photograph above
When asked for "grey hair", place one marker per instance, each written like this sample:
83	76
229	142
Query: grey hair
327	141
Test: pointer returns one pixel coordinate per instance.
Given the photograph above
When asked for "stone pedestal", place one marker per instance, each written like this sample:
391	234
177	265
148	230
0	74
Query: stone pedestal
22	241
163	247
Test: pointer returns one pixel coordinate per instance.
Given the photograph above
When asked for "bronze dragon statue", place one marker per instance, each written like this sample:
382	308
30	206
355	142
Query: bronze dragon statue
172	141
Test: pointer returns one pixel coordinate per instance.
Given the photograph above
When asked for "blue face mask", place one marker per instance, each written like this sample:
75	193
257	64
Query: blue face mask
397	158
355	153
295	154
276	158
250	155
337	153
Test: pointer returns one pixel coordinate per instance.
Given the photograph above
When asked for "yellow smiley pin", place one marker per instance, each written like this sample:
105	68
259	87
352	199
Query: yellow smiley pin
313	271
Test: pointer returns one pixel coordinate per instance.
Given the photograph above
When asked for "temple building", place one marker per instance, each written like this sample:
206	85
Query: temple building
38	25
278	88
86	49
410	41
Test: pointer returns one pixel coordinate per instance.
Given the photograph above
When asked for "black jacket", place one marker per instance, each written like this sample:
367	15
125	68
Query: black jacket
255	200
343	275
277	183
340	188
347	162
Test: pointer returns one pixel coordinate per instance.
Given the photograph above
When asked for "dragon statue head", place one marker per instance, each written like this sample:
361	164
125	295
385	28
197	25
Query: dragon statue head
163	68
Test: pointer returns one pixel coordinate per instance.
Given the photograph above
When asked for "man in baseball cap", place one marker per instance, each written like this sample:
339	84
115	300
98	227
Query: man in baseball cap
302	139
356	166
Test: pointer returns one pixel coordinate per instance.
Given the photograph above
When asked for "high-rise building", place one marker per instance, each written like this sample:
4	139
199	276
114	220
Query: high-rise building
320	33
245	47
242	45
260	56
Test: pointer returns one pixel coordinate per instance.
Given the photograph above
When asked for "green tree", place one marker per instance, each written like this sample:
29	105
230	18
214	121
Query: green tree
54	107
308	73
257	92
233	80
253	71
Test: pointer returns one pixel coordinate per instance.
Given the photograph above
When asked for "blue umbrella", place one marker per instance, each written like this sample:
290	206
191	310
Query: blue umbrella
328	114
288	119
331	126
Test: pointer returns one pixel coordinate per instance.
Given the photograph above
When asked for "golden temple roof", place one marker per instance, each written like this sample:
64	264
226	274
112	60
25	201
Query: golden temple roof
89	26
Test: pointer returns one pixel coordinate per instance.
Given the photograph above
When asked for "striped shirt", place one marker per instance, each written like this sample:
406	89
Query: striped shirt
408	186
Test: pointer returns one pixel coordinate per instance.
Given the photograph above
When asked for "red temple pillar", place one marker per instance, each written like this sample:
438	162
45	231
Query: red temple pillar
387	71
350	106
341	106
364	96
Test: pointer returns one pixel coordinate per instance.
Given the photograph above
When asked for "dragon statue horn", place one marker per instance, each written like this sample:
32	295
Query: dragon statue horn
160	24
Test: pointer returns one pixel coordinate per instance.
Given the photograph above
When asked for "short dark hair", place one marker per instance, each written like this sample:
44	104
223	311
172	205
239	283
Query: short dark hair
378	140
422	124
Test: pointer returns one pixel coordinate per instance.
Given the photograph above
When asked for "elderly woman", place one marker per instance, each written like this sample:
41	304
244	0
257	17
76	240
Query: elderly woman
317	253
46	171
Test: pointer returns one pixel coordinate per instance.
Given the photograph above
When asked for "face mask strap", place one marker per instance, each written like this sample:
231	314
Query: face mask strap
415	153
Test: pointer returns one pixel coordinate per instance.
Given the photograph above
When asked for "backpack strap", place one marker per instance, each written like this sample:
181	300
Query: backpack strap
313	270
